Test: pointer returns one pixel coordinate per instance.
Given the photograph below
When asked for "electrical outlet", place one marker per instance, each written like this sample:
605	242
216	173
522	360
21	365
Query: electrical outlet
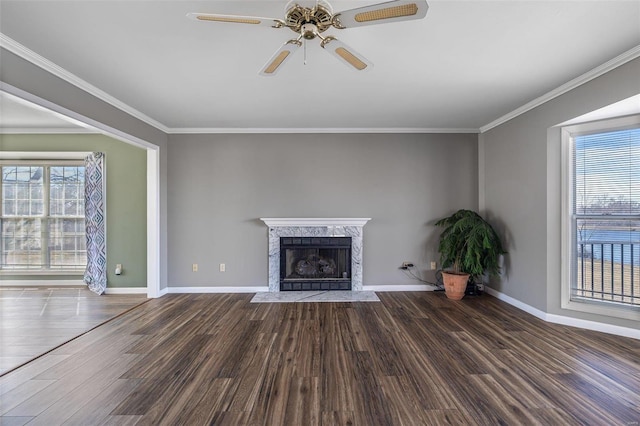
194	267
223	267
434	266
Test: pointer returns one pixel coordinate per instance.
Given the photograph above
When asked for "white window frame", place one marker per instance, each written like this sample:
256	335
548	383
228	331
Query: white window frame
568	133
44	159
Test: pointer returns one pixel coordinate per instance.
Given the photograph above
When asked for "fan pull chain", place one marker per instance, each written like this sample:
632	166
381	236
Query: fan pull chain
305	52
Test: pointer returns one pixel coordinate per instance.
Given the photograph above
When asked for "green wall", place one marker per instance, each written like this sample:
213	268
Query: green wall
126	200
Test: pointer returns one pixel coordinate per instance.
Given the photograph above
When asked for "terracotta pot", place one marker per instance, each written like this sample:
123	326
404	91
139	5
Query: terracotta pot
455	285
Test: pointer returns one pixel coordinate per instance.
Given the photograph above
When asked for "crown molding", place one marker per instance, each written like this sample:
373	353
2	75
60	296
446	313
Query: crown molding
614	63
29	55
342	130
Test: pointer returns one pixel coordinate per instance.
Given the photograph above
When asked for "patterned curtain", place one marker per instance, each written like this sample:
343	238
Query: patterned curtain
95	194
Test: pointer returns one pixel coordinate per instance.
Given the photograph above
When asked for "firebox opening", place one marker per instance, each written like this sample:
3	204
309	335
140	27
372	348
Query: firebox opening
315	263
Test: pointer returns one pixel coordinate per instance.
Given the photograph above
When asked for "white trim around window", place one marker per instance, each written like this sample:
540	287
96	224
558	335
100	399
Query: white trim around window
568	259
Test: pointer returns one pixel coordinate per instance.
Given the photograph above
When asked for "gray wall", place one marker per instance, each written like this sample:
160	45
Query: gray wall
219	185
522	187
126	200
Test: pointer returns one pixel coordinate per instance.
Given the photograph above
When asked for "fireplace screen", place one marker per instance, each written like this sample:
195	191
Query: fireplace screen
315	263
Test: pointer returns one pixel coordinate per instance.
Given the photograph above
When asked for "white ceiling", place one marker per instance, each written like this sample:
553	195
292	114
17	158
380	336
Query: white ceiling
465	65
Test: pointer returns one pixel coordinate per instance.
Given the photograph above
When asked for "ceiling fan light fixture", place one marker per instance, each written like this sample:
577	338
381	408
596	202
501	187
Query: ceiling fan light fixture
309	31
387	13
311	18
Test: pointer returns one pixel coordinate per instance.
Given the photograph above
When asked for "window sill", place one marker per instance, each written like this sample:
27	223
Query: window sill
34	273
610	309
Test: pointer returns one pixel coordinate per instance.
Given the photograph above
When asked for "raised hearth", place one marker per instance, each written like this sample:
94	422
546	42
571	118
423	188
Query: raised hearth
315	297
321	270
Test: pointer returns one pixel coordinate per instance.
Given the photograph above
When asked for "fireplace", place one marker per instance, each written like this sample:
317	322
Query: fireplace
315	263
318	253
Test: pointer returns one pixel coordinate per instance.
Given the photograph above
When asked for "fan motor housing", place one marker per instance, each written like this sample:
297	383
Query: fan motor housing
320	15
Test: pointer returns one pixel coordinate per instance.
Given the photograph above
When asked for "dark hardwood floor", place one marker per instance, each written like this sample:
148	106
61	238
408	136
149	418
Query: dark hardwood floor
411	359
37	319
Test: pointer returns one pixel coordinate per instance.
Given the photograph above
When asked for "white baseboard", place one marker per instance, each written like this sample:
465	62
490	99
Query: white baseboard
163	291
408	287
515	302
175	290
595	326
563	320
41	283
126	290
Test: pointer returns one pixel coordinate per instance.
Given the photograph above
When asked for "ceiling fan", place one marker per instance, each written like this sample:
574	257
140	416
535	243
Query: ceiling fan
310	19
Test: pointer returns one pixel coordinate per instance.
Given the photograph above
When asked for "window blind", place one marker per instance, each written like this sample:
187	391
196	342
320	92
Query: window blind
607	173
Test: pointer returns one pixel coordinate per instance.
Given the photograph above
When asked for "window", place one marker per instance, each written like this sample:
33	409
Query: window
605	216
42	221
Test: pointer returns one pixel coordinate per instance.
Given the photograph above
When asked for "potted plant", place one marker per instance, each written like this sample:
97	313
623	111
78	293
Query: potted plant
468	247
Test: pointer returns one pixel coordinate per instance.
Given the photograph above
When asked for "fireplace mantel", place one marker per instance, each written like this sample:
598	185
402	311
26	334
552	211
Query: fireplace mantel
314	221
315	227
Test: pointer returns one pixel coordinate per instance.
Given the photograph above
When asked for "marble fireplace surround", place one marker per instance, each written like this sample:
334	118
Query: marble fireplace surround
315	227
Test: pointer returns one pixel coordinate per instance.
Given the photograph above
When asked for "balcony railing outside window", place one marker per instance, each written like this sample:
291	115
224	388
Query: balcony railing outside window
608	262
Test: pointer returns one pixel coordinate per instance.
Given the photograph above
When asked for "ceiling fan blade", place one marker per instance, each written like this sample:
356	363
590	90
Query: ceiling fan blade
346	54
381	13
280	57
236	19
